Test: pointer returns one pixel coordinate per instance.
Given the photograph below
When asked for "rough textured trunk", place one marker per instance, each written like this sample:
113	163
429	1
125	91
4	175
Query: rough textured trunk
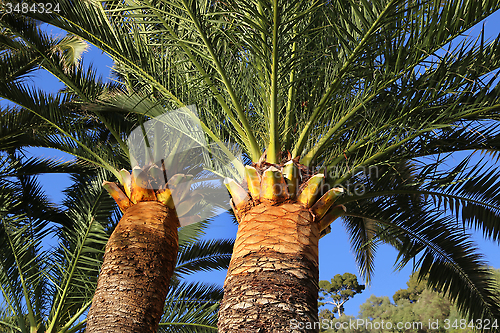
138	264
272	281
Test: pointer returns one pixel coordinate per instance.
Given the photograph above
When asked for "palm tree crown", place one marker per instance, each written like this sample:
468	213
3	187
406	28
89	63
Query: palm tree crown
341	86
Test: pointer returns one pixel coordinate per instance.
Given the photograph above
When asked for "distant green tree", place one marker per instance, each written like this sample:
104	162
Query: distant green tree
326	314
376	307
380	315
339	290
412	293
420	308
412	306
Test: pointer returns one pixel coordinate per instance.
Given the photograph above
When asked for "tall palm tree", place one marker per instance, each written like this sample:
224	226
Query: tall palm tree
57	121
336	105
50	289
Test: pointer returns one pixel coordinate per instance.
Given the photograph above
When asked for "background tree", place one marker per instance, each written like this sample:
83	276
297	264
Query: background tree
361	88
325	314
339	290
416	304
415	287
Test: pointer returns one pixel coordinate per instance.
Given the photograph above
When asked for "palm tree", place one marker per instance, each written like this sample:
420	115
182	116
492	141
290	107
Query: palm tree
50	290
336	106
57	121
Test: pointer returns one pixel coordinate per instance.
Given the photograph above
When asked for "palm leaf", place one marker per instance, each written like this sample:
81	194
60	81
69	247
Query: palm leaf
24	216
77	259
191	308
204	256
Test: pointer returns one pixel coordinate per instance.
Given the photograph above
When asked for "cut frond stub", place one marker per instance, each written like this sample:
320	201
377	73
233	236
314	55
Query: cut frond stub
238	194
116	193
273	186
164	196
322	206
253	181
141	189
310	192
291	175
331	216
126	181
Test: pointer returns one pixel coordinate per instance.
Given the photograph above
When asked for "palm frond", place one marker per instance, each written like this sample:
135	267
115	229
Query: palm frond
405	207
467	190
204	256
36	165
445	252
71	136
404	67
191	307
77	260
24	217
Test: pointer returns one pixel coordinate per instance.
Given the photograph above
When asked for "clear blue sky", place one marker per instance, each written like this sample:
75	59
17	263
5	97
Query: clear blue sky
335	254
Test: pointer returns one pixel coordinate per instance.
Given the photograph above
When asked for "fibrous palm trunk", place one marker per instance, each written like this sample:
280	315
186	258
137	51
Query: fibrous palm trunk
272	281
139	259
138	263
271	284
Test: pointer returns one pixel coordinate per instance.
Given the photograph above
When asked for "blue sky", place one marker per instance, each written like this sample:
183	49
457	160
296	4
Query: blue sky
336	256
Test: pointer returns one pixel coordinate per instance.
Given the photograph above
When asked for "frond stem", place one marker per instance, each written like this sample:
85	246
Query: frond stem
273	148
253	147
299	146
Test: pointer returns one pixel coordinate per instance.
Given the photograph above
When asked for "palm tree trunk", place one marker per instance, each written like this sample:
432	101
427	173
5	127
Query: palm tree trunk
135	275
272	281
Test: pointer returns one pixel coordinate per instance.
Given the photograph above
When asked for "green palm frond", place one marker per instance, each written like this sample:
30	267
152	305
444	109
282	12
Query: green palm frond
188	235
358	63
72	134
59	56
17	261
405	207
468	135
17	65
35	165
20	128
405	76
70	50
204	256
22	37
77	260
24	217
191	307
471	192
468	191
363	236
